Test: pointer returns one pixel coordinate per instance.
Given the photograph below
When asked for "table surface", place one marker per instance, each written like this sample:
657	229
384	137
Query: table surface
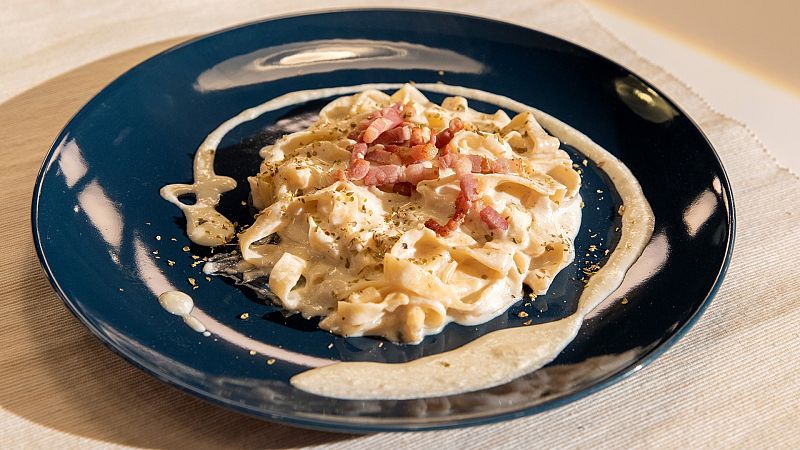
757	84
58	53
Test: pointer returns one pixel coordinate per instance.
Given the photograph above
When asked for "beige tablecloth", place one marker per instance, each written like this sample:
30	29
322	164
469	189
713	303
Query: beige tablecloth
732	381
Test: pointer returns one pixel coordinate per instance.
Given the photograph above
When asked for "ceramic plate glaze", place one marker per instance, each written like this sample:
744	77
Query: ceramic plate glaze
105	236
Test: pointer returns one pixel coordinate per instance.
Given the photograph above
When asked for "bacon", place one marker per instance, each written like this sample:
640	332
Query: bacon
391	113
445	136
423	152
463	205
465	200
504	165
481	164
358	169
493	219
468	195
378	155
358	151
376	128
415	154
415	173
379	175
397	135
418	136
463	168
382	121
391	174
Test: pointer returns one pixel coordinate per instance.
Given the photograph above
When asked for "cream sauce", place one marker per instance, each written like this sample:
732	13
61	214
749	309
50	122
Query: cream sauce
488	361
181	304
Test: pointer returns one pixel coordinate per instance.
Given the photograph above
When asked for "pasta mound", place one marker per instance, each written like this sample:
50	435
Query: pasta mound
393	216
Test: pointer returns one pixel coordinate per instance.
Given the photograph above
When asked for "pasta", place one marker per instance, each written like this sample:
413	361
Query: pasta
393	216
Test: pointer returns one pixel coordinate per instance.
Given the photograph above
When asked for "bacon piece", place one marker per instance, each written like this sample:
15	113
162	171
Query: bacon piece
415	154
445	136
423	152
415	173
378	155
463	205
418	136
376	128
382	121
481	164
379	175
504	165
448	160
463	168
403	188
391	174
358	151
394	136
358	169
493	219
464	200
392	113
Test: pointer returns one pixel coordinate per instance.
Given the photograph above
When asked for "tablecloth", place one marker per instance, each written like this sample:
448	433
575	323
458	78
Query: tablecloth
732	381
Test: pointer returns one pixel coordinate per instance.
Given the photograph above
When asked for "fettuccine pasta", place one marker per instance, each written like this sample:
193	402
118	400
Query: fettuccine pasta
393	216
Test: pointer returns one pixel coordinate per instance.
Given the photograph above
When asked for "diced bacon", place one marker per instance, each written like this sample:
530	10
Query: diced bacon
403	188
358	151
443	137
397	135
415	173
462	208
464	201
503	165
378	175
393	112
376	128
378	155
382	121
390	174
419	136
415	154
463	168
481	164
423	152
447	161
391	148
358	169
493	219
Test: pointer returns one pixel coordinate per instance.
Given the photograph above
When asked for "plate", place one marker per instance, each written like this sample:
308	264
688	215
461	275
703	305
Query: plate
107	241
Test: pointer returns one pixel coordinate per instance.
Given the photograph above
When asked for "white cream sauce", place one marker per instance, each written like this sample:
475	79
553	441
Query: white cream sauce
181	304
488	361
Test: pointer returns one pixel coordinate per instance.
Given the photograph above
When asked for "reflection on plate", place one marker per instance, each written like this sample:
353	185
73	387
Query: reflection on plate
110	245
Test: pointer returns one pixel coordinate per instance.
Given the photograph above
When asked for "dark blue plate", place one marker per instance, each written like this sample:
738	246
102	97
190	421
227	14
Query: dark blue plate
103	234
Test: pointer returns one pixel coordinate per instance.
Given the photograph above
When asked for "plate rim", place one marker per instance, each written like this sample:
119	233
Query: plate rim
360	425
